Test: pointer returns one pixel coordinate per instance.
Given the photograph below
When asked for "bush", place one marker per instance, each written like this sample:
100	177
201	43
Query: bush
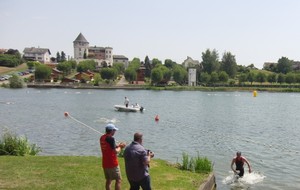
11	144
15	82
198	164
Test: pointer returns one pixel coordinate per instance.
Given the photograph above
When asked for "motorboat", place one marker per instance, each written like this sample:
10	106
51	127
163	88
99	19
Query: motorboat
130	108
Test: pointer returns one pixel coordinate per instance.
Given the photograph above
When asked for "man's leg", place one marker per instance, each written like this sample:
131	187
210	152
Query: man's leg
118	184
146	184
134	185
107	184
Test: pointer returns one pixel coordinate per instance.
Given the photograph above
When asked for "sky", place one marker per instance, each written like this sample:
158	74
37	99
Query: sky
255	31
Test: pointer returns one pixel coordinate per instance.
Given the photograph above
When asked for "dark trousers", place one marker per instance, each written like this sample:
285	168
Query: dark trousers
144	183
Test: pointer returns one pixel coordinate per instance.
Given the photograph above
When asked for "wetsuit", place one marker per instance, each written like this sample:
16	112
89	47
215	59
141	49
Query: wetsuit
239	162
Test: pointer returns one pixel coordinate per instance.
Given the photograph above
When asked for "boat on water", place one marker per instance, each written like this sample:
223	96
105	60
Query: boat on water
132	108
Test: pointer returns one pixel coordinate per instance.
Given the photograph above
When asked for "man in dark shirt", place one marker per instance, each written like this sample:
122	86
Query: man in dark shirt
137	160
239	163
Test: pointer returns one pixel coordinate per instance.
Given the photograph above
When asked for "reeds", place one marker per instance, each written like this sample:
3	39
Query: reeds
197	164
11	144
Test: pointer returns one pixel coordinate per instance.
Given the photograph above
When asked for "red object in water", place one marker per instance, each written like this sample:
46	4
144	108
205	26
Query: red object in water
156	118
66	114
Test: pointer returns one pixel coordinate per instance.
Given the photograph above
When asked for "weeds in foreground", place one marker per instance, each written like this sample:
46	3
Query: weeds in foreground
198	164
11	144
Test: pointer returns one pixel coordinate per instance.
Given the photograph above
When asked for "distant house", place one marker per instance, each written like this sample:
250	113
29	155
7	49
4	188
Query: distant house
56	74
189	62
84	76
37	54
121	59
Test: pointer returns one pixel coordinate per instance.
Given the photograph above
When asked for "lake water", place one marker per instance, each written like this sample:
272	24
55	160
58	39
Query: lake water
214	124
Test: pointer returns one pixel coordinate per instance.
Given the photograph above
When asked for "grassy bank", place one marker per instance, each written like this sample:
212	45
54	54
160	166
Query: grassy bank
73	172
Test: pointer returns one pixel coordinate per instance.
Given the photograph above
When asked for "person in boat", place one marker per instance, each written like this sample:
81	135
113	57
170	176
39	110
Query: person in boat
110	162
239	161
136	105
126	102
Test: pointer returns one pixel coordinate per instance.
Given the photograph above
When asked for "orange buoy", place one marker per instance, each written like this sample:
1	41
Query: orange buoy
156	118
66	114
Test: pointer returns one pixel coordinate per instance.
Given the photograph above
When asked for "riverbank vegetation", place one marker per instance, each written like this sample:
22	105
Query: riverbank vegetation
84	172
13	145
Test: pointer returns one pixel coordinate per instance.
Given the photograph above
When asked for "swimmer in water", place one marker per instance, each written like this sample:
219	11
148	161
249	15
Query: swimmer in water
239	161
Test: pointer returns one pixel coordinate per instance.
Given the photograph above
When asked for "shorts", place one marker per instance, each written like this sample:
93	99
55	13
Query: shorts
112	173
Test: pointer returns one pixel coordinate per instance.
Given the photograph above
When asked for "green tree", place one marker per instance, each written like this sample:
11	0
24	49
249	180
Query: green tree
210	61
156	75
15	82
228	64
180	74
120	67
272	78
155	62
170	64
130	74
223	76
97	79
214	77
261	77
243	78
42	72
108	73
63	56
284	65
281	78
58	58
65	67
290	78
251	77
147	65
8	60
86	65
32	64
297	78
204	77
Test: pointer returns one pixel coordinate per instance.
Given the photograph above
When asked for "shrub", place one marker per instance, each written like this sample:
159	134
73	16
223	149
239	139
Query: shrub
11	144
198	164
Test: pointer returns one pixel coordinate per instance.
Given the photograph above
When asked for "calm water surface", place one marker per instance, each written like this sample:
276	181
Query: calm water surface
214	124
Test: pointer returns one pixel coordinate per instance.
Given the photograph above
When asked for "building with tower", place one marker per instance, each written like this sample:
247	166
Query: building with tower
81	46
102	55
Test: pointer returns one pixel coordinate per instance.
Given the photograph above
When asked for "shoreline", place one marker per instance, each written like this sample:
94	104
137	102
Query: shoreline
175	88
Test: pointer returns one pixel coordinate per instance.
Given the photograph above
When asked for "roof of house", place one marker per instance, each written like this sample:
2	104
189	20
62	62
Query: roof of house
33	50
119	57
80	38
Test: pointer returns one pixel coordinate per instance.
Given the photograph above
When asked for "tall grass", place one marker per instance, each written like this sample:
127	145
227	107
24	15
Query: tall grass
198	164
11	144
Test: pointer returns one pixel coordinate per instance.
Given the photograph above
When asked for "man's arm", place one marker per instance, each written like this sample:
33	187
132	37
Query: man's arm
247	162
232	162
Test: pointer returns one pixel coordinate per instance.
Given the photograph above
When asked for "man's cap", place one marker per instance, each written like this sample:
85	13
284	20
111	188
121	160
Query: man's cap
111	127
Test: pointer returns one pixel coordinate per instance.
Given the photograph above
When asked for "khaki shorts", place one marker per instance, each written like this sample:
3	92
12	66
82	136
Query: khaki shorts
112	173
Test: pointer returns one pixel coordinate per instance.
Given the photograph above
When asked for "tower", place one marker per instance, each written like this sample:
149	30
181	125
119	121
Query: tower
81	46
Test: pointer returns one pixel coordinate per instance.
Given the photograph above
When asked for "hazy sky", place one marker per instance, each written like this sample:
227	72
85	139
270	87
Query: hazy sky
255	31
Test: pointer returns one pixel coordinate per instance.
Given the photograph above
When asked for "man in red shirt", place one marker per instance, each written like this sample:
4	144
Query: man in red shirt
239	161
110	158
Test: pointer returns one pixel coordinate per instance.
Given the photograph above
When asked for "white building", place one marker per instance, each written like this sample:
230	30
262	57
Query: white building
192	77
81	46
37	54
102	55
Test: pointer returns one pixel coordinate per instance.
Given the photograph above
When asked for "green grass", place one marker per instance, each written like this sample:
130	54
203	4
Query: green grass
74	172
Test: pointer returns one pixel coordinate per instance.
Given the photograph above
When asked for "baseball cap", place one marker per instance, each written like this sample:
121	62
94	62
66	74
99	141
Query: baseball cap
111	126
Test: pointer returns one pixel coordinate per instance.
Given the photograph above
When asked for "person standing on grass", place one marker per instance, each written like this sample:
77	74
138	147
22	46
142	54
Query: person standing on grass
137	160
239	161
110	162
